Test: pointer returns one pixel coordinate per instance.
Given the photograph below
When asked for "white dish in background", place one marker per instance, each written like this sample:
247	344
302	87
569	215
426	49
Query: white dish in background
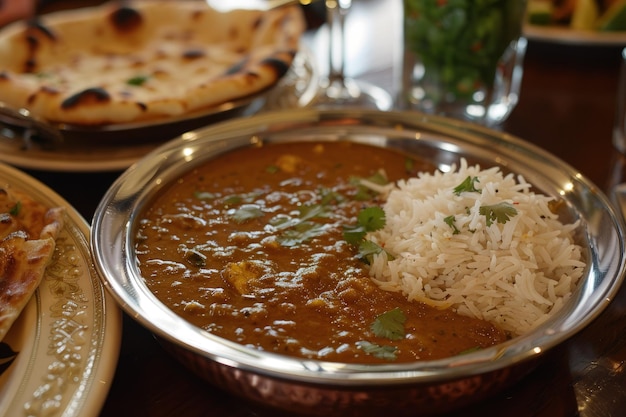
565	35
72	159
66	341
116	147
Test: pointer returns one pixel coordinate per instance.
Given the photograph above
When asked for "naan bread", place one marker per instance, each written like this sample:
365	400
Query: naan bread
28	233
135	61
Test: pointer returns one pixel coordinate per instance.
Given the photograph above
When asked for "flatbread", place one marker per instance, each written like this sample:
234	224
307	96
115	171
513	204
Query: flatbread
126	62
28	233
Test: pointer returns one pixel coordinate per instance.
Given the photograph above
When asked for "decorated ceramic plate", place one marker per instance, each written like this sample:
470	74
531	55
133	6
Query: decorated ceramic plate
59	357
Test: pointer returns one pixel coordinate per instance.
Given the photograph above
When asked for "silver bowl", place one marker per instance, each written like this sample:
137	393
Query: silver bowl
317	387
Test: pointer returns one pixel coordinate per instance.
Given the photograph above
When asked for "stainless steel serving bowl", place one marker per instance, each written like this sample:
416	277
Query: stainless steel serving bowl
318	387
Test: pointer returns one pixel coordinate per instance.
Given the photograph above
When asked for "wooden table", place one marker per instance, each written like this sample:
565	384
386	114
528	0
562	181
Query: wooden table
567	107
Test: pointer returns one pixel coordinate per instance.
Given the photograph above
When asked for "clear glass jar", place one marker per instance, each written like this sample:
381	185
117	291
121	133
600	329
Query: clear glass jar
463	58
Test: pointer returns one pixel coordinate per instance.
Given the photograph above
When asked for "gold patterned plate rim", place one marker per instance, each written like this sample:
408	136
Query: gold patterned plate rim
60	356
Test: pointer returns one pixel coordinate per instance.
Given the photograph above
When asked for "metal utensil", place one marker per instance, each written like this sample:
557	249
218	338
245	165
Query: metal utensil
22	123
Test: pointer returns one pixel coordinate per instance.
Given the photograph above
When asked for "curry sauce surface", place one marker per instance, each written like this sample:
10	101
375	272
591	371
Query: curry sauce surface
250	247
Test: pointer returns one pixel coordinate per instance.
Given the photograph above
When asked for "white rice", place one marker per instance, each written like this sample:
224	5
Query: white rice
513	274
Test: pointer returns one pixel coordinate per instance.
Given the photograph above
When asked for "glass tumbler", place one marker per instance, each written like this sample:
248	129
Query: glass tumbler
462	58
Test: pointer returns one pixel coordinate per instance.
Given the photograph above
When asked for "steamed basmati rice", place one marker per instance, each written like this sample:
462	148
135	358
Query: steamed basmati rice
514	274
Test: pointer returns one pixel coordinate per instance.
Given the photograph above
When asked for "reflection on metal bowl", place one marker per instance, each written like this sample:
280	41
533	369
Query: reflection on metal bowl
329	399
322	388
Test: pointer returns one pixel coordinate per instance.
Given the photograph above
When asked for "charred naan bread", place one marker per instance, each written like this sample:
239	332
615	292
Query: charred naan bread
28	233
127	62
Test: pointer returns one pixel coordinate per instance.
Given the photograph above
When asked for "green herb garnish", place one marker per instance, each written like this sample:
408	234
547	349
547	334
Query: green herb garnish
272	169
311	211
137	81
450	222
369	219
390	324
382	352
329	196
295	231
372	218
467	186
367	249
235	199
247	212
501	212
364	193
204	195
300	233
409	165
15	210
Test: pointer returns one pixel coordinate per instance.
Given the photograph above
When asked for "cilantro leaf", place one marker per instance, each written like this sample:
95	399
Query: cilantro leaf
15	210
390	324
311	211
382	352
247	212
500	212
329	196
204	195
300	229
372	218
409	165
354	234
364	193
369	219
367	249
236	199
300	233
450	222
138	80
272	169
467	186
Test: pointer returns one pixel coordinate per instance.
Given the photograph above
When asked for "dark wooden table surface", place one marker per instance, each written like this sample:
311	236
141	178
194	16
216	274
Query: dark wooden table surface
566	106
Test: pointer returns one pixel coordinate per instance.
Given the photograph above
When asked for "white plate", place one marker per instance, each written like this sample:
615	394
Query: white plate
66	341
72	159
116	148
565	35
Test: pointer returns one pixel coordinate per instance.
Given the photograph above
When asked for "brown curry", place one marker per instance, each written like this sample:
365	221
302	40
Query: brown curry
251	247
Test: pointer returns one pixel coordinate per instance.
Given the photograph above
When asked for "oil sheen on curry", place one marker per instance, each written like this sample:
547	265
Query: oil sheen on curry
252	247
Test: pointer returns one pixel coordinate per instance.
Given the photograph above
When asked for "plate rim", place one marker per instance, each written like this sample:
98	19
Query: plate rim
86	396
118	158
